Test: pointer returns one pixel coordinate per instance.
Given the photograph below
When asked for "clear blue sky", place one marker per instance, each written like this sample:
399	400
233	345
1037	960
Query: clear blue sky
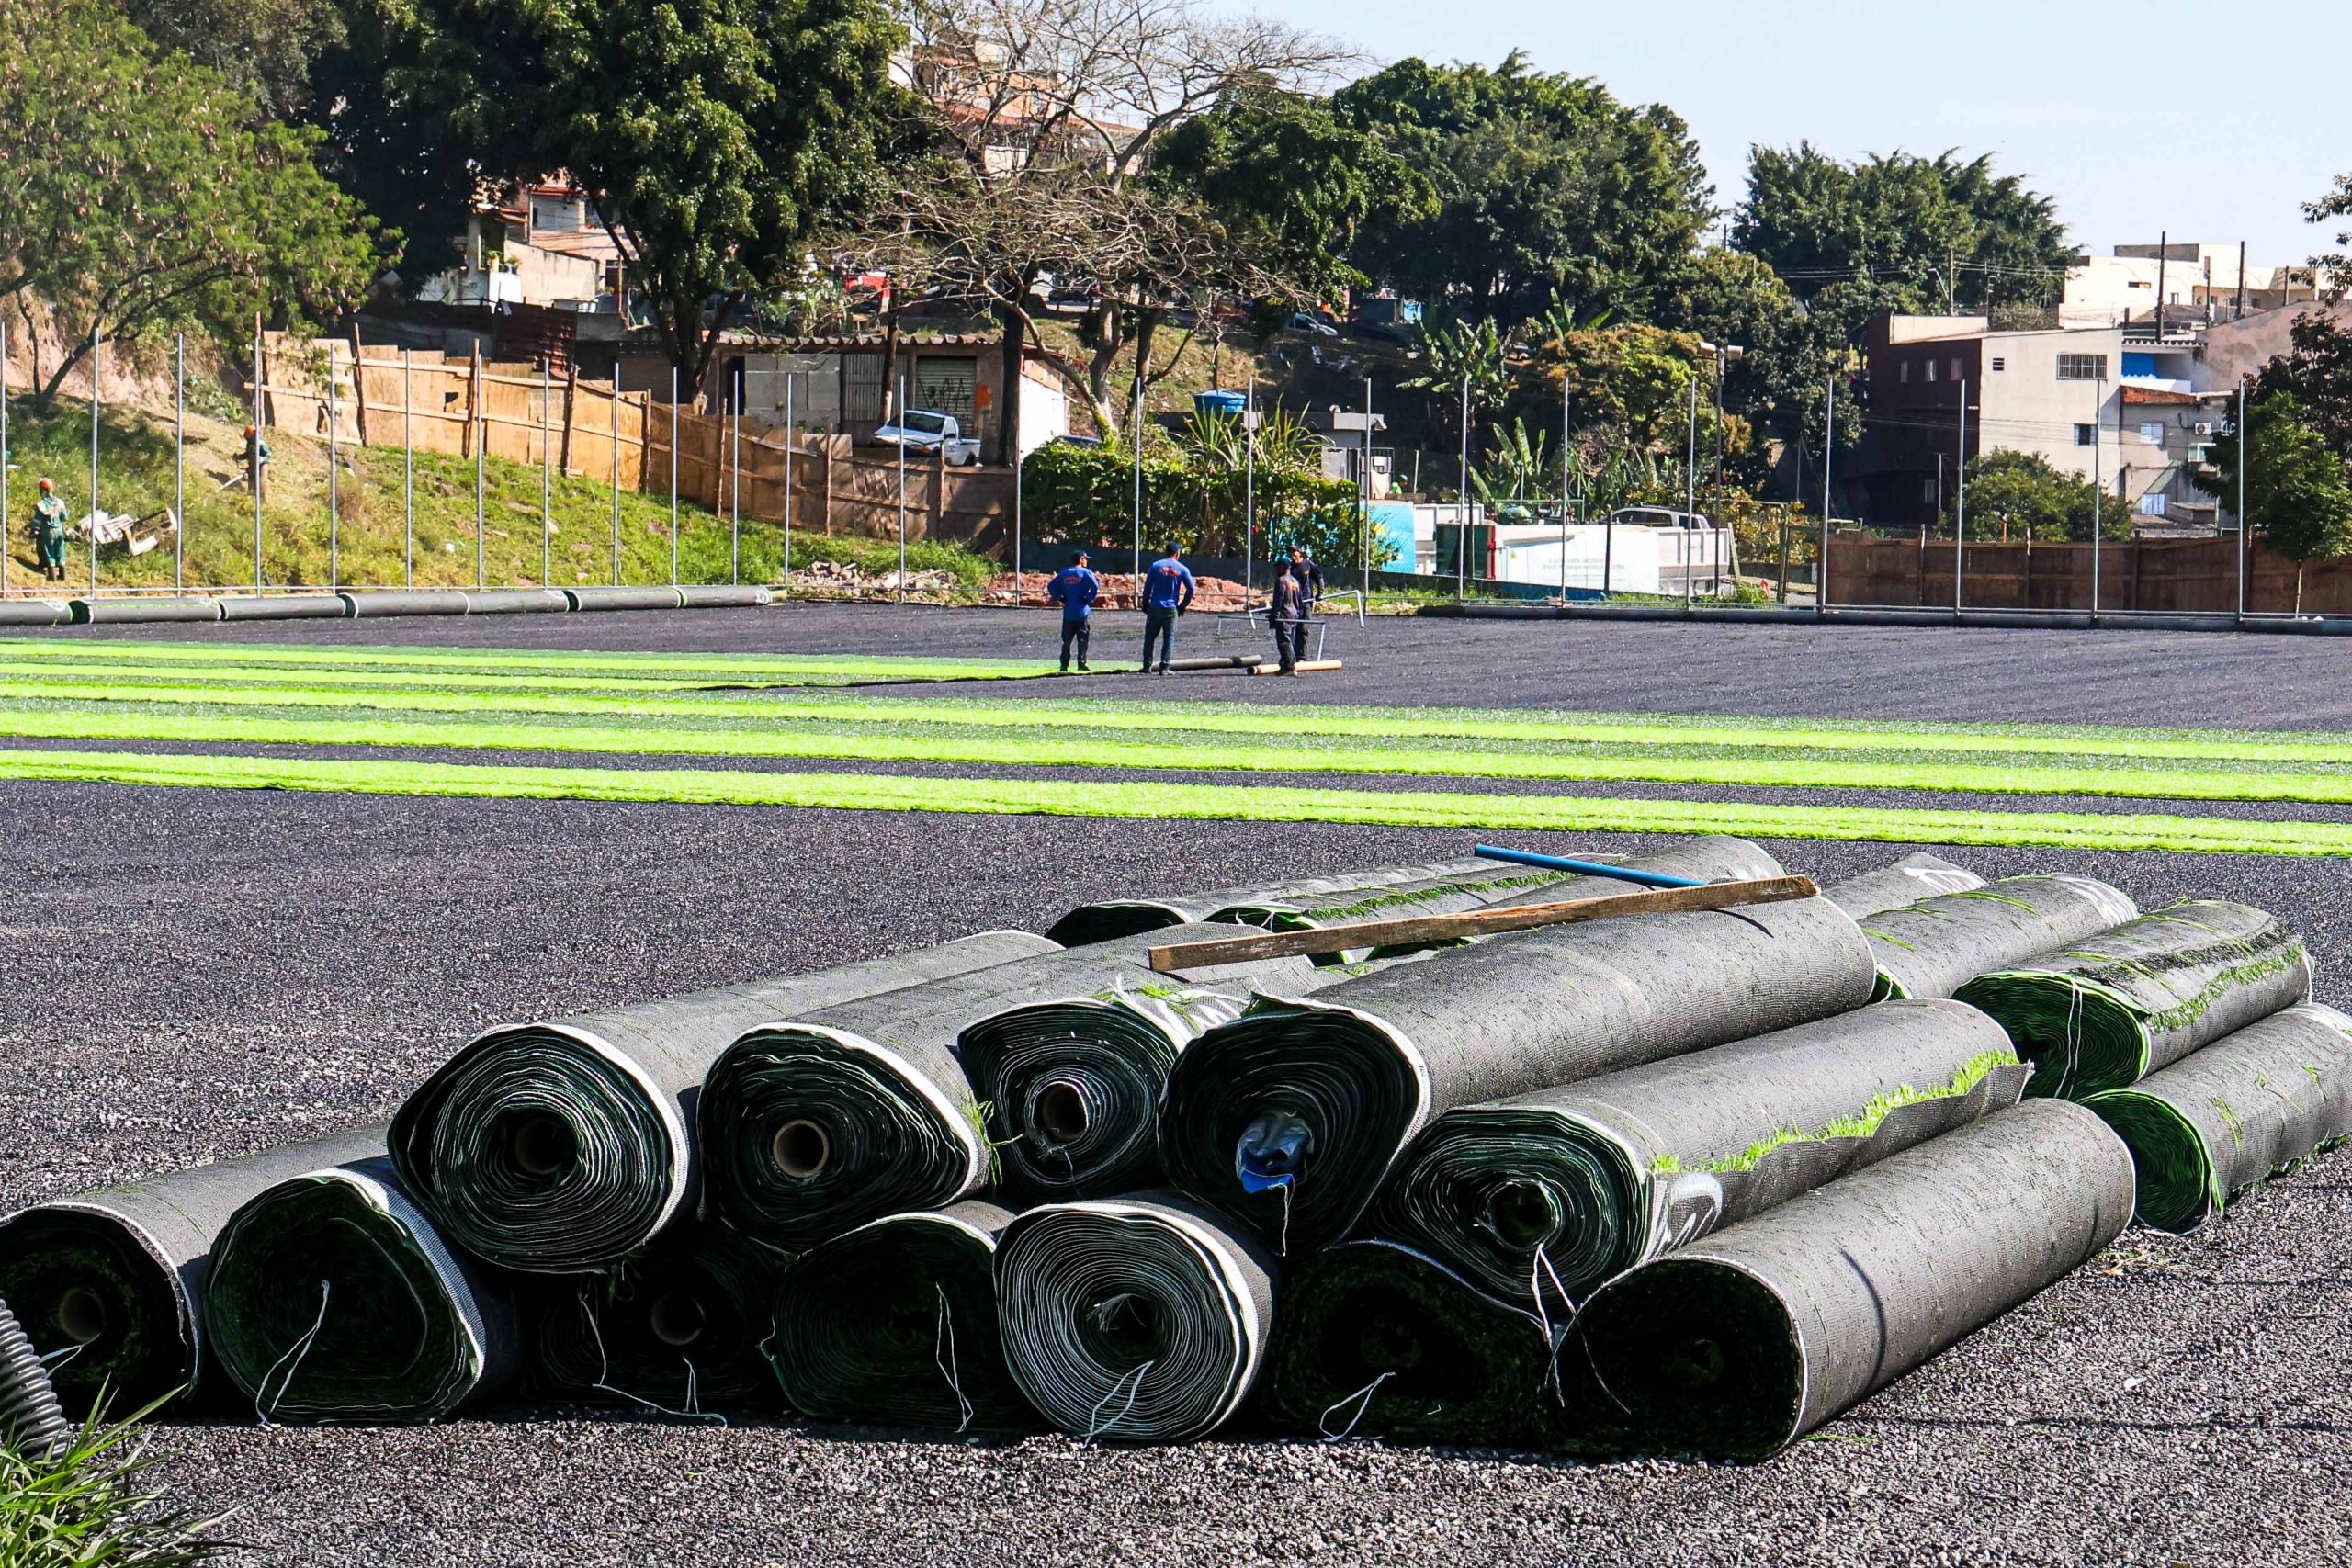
2211	121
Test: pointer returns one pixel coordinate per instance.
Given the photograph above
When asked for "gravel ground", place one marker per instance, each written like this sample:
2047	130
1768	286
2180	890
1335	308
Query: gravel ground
190	975
1831	671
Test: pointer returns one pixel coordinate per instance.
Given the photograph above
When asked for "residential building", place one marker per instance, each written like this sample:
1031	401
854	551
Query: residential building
533	245
2192	282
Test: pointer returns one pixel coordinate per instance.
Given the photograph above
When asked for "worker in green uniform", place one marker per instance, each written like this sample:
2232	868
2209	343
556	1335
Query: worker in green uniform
49	531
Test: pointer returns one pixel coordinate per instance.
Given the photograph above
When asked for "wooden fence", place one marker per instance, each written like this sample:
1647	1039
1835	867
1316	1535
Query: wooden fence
588	429
2199	575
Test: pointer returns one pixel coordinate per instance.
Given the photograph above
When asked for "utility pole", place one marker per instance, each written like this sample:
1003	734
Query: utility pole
2164	257
2238	313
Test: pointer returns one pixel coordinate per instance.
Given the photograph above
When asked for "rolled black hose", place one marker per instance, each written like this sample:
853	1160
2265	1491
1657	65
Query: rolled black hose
1538	1200
333	1299
677	1327
1372	1340
895	1324
1739	1346
816	1124
2224	1120
109	1284
1141	1319
1908	880
1935	946
1112	919
2104	1012
32	1421
565	1144
1290	1116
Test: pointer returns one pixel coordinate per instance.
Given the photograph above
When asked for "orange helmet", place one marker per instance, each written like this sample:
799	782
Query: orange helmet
48	484
249	430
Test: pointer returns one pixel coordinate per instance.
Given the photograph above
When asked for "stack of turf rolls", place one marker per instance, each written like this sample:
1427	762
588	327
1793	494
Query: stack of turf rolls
1683	1183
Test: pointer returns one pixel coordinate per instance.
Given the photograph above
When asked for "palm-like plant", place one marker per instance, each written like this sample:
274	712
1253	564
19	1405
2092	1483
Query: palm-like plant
1520	467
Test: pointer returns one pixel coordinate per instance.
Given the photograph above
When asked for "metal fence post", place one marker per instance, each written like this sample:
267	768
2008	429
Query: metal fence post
613	420
480	426
791	438
98	369
335	468
408	475
547	476
674	476
902	492
179	462
735	493
5	513
252	463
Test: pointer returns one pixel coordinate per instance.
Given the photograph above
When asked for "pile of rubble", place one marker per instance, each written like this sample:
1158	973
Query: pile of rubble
1211	594
844	580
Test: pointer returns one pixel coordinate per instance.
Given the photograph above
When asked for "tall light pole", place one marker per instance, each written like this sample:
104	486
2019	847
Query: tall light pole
1691	489
1462	530
1960	508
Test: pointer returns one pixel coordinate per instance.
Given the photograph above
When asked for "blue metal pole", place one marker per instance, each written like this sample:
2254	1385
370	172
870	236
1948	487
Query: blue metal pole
1590	868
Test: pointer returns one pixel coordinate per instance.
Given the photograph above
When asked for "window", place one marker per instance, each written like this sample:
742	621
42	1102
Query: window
1906	370
2155	503
2087	436
1956	372
1928	490
1931	370
2082	368
2152	432
1999	363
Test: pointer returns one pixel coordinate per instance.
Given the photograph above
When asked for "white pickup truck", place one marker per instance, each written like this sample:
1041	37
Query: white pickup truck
921	430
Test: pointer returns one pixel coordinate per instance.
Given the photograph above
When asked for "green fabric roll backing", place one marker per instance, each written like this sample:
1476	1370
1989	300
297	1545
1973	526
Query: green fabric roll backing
2108	1011
675	1327
1372	1340
332	1300
895	1324
82	1283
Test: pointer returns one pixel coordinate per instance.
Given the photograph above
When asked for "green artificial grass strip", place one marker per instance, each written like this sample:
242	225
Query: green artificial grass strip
144	651
1058	747
1057	797
1866	1121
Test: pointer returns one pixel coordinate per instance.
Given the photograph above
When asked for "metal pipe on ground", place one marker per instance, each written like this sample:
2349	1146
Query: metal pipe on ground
1539	1199
1291	1115
1140	1319
723	596
1737	1347
2227	1118
333	1299
1937	945
35	611
111	1281
895	1323
2108	1011
284	607
563	1145
32	1423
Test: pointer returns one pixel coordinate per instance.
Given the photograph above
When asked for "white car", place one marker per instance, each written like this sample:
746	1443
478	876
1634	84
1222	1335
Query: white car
921	430
1657	517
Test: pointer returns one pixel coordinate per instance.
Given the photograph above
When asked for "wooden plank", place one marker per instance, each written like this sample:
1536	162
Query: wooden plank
1423	929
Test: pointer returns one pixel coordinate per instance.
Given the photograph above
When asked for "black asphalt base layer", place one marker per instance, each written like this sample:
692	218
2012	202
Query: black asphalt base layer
188	974
1828	672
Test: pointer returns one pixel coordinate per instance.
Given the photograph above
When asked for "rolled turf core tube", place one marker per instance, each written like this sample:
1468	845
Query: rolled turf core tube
814	1124
1290	1116
1908	880
2110	1010
1139	1319
562	1145
1372	1340
1741	1344
333	1299
1110	919
676	1327
1539	1199
1935	946
895	1324
2224	1118
1499	885
109	1285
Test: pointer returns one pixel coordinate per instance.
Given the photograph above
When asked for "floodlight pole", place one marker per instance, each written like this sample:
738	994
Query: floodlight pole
179	462
1959	507
408	473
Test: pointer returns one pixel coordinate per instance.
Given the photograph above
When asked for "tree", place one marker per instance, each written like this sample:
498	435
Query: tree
1776	384
1940	230
2017	495
2316	371
717	140
2336	204
263	49
1541	187
137	198
1448	355
2298	493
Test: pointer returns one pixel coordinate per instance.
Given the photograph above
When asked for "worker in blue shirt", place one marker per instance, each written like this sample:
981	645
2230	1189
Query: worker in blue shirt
1075	588
1167	593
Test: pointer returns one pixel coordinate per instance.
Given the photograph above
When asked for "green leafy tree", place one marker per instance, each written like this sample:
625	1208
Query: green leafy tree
1522	467
1447	355
264	49
1938	229
139	200
2298	493
719	139
2017	495
1540	187
2316	371
1776	384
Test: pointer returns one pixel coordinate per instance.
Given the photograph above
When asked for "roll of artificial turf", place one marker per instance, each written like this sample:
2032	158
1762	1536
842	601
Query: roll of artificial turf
817	1122
1908	880
1538	1198
1934	947
1290	1116
108	1284
895	1324
331	1299
2106	1012
1736	1347
1372	1340
677	1327
1494	883
1141	1319
1110	919
563	1145
2249	1106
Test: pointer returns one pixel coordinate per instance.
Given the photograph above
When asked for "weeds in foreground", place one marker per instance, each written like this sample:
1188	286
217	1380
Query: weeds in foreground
92	1506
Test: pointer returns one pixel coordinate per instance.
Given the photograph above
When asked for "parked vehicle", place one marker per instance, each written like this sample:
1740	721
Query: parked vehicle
1300	322
921	430
1657	517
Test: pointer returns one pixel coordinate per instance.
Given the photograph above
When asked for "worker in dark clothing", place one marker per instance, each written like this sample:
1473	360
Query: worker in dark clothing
49	531
1167	593
1075	588
255	459
1287	612
1309	575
